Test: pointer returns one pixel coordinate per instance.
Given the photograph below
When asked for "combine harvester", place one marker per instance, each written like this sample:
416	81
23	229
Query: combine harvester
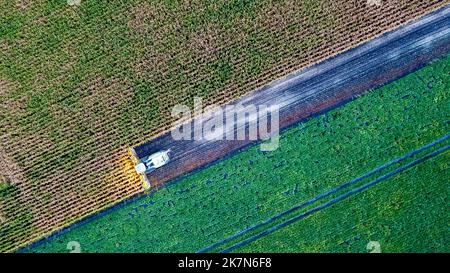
148	164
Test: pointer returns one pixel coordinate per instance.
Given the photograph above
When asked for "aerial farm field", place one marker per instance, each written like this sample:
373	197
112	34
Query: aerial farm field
82	81
383	136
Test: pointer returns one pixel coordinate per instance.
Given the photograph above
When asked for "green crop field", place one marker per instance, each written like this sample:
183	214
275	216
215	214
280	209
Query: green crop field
407	213
315	156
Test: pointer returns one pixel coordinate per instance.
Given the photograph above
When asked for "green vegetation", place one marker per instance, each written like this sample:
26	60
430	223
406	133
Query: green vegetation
8	191
407	213
315	156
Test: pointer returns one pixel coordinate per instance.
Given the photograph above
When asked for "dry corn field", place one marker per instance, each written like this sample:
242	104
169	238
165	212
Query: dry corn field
79	84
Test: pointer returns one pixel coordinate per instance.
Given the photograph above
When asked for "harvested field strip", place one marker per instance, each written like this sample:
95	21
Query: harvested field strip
407	213
320	88
220	246
314	157
335	200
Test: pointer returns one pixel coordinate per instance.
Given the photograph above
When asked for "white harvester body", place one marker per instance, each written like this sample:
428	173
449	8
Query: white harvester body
148	164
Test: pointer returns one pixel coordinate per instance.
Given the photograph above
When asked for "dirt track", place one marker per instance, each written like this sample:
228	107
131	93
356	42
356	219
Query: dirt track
318	89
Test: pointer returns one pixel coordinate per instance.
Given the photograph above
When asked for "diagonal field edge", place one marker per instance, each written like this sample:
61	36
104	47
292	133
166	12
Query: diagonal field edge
325	194
317	89
336	200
